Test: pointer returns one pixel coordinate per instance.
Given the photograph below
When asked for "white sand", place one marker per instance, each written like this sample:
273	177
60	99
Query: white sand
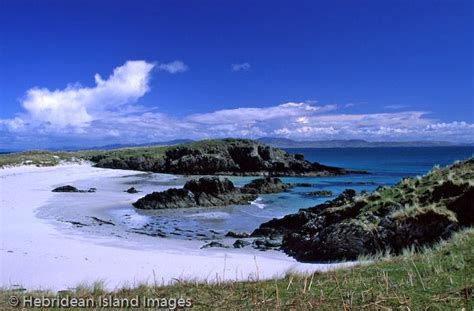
36	255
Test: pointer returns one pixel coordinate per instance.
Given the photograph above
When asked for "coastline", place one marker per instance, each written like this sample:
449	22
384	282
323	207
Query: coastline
38	255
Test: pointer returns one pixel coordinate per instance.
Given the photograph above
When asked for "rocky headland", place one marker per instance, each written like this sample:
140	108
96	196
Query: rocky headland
413	213
216	157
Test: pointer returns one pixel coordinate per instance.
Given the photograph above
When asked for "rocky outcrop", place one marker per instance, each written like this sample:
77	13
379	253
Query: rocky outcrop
232	234
69	188
203	192
320	193
210	191
265	185
266	244
240	243
171	198
415	212
217	191
131	190
214	244
217	157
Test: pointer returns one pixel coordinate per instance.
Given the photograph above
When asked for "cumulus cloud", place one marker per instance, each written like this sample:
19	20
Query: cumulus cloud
77	106
176	66
240	67
108	112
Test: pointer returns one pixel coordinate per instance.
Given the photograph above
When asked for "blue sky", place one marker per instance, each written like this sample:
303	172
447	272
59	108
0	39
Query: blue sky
376	70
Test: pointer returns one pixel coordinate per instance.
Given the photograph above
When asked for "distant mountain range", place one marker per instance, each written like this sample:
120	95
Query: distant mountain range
351	143
289	143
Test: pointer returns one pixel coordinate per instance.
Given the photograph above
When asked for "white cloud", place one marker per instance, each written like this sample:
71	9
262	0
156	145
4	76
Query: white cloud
77	106
15	124
108	112
240	67
291	120
252	115
176	66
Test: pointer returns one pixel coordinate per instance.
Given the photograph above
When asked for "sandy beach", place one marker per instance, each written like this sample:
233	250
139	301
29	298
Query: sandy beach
37	253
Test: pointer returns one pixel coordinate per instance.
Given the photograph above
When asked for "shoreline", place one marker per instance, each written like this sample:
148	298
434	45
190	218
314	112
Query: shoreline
36	254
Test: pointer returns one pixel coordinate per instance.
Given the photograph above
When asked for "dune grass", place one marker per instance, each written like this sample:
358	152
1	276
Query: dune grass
36	158
52	158
437	278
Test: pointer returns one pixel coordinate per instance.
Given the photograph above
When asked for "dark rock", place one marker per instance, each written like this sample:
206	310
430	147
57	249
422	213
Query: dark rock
294	222
335	242
69	188
265	185
447	189
102	222
75	223
239	235
320	193
214	244
66	188
204	192
302	184
241	243
462	206
131	190
283	225
265	244
171	198
210	185
299	156
153	234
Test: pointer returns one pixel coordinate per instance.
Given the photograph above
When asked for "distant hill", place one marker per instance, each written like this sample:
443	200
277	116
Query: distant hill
351	143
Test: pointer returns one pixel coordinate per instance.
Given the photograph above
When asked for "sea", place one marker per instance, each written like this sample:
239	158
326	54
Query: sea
386	166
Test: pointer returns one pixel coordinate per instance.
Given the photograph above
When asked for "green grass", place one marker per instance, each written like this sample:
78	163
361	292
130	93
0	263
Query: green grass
414	196
51	158
438	278
37	158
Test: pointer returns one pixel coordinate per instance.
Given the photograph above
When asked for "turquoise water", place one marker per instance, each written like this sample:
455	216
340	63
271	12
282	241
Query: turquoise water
386	166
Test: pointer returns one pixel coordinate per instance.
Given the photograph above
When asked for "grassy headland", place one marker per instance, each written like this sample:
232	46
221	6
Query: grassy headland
207	157
414	212
51	158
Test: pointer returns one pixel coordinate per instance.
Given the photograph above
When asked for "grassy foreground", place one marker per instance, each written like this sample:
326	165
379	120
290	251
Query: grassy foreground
440	278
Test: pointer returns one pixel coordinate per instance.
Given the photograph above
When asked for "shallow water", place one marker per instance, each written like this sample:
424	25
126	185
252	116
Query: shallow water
386	165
